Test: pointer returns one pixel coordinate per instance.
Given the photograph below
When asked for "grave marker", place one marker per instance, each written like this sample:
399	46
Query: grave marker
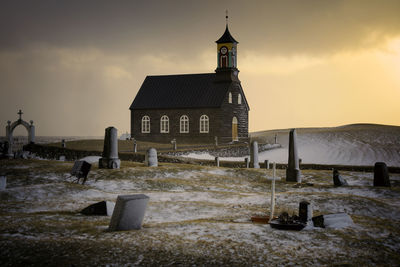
293	170
129	212
254	155
151	157
81	169
3	182
381	174
109	159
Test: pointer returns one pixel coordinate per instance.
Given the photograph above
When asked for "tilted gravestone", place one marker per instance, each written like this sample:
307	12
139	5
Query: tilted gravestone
128	212
338	180
254	155
305	211
109	159
3	182
151	159
104	208
293	170
81	169
381	174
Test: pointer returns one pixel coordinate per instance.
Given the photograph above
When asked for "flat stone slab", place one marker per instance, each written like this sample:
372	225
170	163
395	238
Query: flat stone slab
128	212
336	221
104	208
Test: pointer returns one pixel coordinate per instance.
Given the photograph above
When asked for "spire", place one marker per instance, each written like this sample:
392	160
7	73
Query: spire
226	37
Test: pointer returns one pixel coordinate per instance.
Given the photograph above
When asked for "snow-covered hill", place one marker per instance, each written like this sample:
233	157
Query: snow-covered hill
356	144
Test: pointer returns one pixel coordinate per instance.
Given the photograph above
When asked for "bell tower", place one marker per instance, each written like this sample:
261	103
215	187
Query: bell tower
227	56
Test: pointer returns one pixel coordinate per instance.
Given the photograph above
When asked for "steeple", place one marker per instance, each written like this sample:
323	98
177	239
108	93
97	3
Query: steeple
227	56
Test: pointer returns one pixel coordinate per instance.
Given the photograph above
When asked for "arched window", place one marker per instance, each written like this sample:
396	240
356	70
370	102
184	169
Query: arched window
230	98
146	124
239	99
184	124
164	124
204	124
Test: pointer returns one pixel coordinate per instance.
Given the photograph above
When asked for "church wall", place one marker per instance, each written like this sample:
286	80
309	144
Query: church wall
194	135
229	110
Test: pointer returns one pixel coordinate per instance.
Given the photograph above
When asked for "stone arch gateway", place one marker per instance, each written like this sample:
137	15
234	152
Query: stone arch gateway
10	129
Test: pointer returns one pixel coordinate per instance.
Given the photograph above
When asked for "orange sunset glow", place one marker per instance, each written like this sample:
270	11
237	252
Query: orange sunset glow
75	67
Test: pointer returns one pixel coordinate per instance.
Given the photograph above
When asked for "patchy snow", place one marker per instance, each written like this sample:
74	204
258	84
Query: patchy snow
91	159
200	210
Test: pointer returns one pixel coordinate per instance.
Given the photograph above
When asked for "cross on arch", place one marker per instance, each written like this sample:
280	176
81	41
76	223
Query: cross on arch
20	114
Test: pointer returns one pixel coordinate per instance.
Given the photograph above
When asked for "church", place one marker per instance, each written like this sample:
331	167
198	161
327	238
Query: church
194	108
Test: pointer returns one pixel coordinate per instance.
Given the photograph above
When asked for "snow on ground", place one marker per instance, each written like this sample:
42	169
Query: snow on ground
196	216
345	145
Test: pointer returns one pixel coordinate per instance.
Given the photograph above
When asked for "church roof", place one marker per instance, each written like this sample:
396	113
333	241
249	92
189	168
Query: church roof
226	37
181	91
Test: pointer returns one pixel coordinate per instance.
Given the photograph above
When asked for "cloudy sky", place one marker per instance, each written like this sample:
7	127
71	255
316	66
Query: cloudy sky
74	67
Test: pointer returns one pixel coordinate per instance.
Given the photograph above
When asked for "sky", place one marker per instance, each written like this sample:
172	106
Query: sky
74	67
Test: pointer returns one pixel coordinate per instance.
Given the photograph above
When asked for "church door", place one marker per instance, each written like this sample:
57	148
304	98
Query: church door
235	129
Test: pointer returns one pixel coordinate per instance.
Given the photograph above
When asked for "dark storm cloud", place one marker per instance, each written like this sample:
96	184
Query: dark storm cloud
273	26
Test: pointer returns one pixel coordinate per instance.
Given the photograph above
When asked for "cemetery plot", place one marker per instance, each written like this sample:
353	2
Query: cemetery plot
195	215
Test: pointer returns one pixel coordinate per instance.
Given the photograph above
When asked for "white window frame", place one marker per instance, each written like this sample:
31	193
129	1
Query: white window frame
230	98
239	99
204	124
184	124
164	124
145	124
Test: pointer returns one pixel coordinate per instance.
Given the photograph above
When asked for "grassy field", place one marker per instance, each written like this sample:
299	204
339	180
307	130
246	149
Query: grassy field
196	216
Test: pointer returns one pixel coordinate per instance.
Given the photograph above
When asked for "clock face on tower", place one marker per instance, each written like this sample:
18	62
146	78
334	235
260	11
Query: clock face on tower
223	50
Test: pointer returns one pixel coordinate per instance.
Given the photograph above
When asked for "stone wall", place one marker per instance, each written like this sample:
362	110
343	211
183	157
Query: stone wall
49	152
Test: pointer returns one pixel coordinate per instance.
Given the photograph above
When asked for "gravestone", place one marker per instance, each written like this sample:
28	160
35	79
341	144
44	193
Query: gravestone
305	211
151	157
3	182
336	221
63	144
81	169
61	158
338	180
173	142
276	139
293	170
381	174
254	155
109	159
246	162
134	146
217	161
128	212
216	141
266	162
104	208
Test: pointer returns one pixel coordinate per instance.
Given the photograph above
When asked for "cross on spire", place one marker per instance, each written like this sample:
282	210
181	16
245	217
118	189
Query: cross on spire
20	114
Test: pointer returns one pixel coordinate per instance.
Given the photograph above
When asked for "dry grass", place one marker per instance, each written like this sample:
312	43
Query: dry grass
196	216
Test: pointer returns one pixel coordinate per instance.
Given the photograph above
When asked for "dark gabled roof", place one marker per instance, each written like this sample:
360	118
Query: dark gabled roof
181	91
226	37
